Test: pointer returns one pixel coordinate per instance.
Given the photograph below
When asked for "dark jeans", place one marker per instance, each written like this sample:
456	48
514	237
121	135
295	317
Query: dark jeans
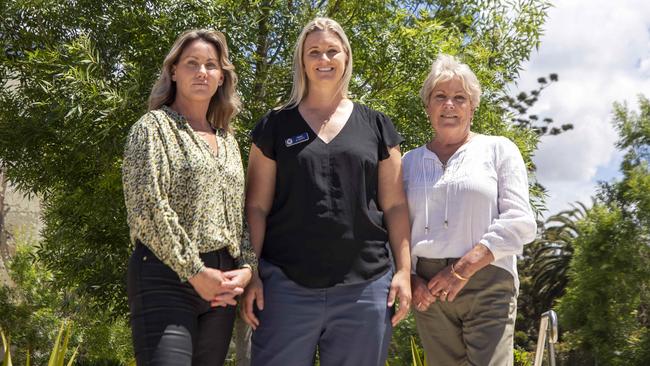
171	324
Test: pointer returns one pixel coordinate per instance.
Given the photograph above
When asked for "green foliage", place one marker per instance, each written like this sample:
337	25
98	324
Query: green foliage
6	344
551	255
59	350
518	107
33	309
523	358
57	357
400	351
419	358
606	303
603	296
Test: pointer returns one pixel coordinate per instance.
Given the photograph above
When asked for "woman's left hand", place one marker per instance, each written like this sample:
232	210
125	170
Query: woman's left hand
239	278
445	286
400	287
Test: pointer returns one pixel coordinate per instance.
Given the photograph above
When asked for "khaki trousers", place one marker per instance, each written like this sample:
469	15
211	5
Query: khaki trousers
477	328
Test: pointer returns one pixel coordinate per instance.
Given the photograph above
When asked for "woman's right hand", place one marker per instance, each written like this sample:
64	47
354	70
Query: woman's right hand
214	286
254	293
422	297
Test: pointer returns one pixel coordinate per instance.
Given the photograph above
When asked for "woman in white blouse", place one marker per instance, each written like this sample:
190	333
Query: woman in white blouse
470	217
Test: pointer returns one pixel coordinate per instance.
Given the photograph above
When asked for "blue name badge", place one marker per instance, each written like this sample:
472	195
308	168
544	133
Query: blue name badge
296	139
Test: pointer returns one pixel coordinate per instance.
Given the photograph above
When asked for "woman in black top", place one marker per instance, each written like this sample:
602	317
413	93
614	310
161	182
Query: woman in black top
324	197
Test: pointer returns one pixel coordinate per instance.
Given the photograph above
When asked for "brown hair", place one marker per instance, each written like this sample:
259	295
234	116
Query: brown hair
225	103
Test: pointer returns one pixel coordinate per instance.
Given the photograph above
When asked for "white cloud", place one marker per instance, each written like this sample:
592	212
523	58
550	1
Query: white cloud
601	52
567	193
644	65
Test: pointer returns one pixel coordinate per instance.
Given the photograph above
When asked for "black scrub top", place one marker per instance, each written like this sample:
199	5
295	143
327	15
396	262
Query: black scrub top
325	226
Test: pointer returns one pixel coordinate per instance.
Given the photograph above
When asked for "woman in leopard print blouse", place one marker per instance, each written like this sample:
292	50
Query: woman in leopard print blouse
184	190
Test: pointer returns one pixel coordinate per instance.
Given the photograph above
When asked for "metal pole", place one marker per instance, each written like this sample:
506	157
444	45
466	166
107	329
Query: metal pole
547	333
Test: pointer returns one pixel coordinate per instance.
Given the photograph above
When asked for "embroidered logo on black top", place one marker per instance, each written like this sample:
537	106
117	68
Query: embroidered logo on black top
296	139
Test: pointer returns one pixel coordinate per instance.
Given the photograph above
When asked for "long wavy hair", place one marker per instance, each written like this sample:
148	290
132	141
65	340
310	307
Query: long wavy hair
300	82
225	103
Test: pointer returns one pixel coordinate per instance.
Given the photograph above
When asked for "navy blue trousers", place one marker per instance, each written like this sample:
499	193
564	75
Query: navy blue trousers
349	324
171	324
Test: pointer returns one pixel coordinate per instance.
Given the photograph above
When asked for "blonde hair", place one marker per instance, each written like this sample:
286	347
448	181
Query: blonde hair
225	103
300	82
445	68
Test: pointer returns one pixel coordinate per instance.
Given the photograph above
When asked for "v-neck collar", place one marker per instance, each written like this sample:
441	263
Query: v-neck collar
314	133
185	124
428	154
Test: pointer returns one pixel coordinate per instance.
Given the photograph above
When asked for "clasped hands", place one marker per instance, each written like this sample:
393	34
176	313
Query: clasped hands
444	286
220	288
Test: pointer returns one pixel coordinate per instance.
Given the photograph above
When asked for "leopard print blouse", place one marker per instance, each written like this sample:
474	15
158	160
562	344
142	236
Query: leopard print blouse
181	197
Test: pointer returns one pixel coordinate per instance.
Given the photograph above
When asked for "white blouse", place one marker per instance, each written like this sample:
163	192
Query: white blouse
480	196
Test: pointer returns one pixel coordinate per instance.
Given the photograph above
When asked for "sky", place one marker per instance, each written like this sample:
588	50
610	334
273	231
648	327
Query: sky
600	50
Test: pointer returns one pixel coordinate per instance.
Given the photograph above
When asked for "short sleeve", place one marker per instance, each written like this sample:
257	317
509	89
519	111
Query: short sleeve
263	135
388	136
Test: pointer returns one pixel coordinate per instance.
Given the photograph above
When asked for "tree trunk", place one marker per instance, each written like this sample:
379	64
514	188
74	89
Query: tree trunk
3	211
4	246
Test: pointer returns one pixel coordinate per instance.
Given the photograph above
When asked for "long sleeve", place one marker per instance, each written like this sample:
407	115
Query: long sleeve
515	224
146	180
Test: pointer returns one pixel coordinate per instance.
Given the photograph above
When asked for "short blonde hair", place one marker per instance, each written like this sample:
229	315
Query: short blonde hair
225	103
445	68
300	82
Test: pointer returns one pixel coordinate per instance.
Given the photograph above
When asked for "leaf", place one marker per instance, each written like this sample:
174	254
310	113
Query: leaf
567	126
54	355
6	359
64	347
73	357
417	361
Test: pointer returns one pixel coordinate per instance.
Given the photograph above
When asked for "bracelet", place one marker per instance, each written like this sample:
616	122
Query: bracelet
453	271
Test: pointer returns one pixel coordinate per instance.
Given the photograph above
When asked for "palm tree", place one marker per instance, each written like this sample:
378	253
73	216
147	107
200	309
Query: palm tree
551	254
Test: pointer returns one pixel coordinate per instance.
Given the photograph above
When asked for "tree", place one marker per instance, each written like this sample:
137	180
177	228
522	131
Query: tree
34	308
605	308
519	106
544	271
75	91
3	214
551	255
4	247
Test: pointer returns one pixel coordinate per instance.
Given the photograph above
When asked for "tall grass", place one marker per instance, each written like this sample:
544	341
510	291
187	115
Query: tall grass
59	350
